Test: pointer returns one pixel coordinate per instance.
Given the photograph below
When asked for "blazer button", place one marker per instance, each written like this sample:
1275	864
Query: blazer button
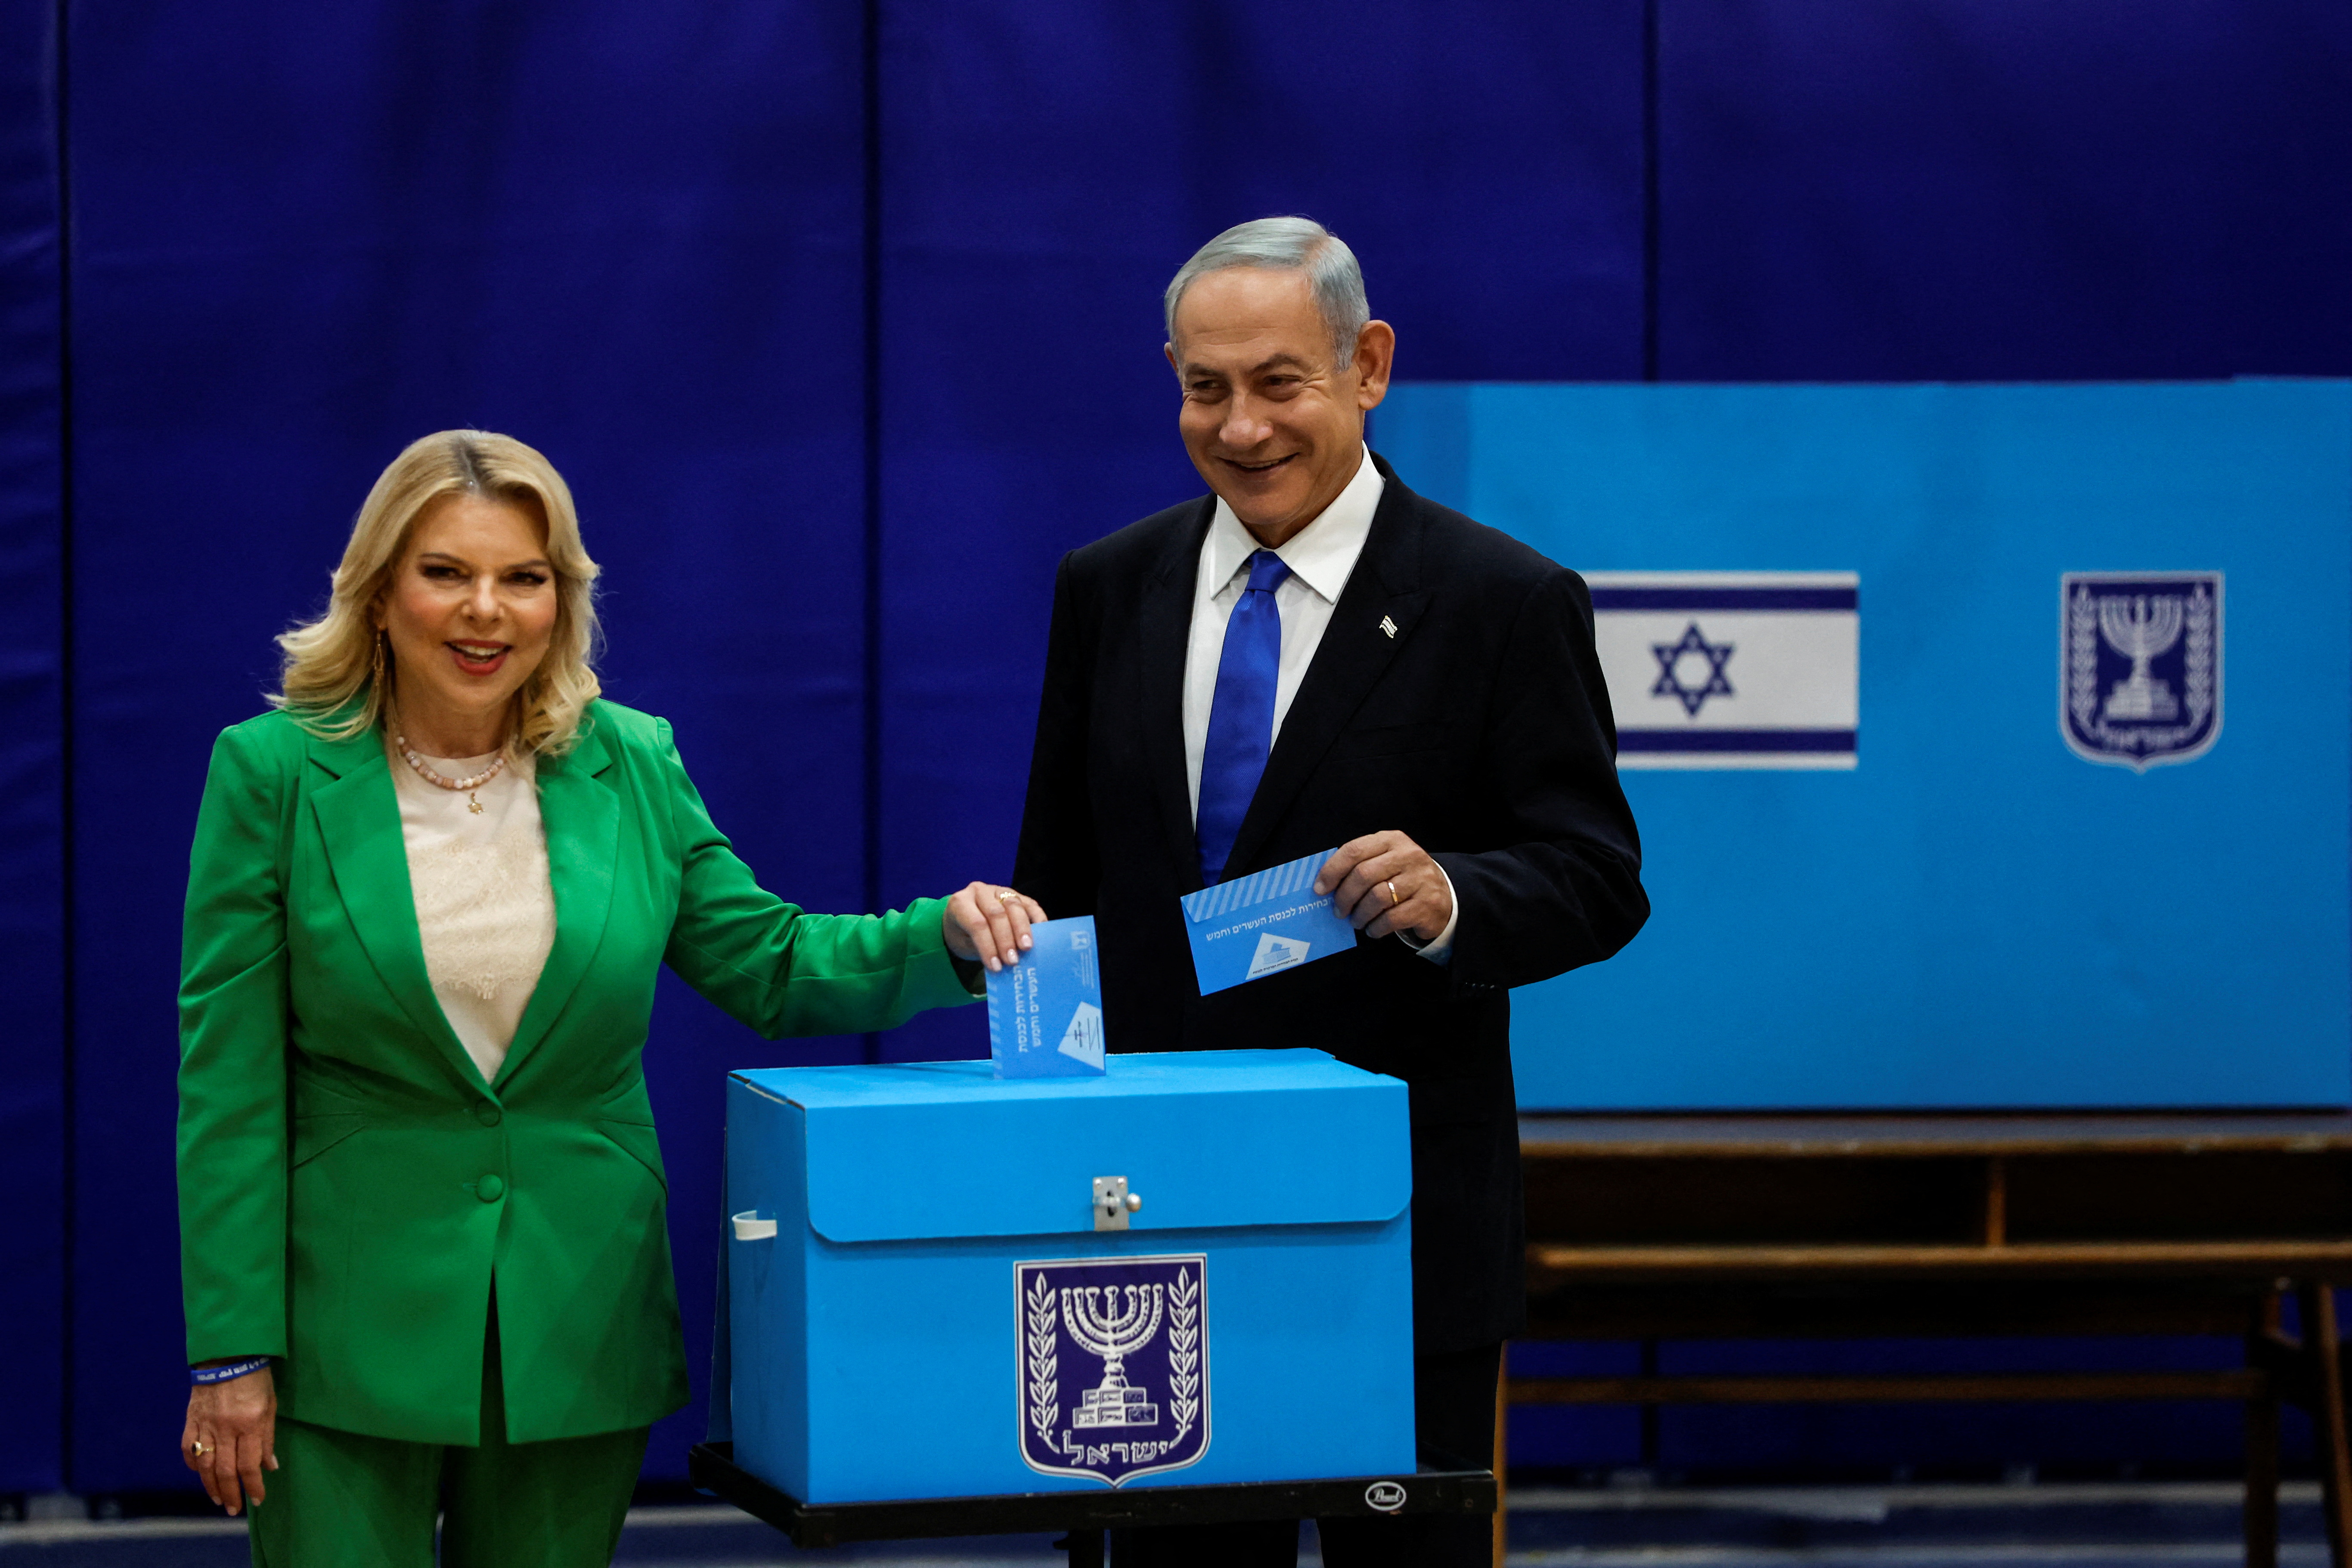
487	1114
489	1189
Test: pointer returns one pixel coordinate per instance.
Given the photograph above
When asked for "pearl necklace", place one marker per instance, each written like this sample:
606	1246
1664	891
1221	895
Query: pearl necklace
425	771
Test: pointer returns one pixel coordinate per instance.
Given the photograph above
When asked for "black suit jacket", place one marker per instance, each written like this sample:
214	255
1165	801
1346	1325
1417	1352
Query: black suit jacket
1480	727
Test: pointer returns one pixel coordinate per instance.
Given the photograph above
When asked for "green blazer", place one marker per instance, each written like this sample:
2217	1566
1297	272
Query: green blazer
349	1186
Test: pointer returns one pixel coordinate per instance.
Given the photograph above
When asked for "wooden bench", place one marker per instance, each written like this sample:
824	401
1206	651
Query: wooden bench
1646	1228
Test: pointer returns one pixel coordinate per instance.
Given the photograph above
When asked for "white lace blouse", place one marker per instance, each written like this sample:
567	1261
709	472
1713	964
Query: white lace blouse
485	908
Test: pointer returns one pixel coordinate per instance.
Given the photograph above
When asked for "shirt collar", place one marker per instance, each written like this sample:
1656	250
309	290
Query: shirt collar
1319	555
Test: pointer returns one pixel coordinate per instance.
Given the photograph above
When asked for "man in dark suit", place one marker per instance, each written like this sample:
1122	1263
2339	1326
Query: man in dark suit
1315	654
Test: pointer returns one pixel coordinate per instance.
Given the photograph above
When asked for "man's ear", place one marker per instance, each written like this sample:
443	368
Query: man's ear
1375	357
1170	349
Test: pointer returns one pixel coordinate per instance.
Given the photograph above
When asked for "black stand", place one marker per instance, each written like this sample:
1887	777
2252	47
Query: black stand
1085	1515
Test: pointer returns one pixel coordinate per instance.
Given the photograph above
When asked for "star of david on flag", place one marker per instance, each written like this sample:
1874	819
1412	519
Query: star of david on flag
1687	654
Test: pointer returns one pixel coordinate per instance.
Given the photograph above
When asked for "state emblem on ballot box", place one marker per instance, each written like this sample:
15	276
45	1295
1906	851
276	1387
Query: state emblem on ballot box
2139	666
1114	1362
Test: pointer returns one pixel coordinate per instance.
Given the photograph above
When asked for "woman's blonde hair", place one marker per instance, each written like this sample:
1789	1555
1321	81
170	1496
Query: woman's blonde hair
329	682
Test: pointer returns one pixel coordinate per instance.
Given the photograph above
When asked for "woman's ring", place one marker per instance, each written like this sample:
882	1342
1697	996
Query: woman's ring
1393	899
1006	895
198	1450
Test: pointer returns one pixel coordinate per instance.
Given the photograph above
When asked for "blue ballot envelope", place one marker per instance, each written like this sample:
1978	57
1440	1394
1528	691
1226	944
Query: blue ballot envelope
1044	1013
1262	923
1195	1268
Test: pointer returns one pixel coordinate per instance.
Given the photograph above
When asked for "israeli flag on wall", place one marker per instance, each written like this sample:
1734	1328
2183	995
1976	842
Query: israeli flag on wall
1731	669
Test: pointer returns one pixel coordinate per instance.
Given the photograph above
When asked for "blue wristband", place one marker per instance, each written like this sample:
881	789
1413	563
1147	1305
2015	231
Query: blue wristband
222	1374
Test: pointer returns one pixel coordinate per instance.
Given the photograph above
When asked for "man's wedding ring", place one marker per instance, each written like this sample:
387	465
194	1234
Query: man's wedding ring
1393	899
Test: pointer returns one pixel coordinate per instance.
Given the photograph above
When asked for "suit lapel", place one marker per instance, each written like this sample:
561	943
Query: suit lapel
359	823
1353	655
1165	636
581	816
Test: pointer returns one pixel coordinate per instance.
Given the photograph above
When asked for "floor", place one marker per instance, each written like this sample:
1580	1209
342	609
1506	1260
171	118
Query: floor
2106	1525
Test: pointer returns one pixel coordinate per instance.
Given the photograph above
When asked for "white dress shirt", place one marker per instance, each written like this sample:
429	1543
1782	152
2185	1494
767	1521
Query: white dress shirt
1320	557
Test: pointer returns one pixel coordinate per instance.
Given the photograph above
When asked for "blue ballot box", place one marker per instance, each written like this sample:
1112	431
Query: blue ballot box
1193	1269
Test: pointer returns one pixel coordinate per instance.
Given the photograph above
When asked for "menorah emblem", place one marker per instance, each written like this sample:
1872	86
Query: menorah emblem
1104	1327
2142	628
1146	1320
2139	666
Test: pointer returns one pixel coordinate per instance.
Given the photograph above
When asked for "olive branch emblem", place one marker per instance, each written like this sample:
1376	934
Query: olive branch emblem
1183	1350
2082	658
2197	687
1045	1389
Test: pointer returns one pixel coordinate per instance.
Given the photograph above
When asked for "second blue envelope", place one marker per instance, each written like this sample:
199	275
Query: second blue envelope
1262	923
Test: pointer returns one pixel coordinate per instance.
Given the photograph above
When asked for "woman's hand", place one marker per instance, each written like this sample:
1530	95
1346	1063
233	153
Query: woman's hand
232	1436
990	923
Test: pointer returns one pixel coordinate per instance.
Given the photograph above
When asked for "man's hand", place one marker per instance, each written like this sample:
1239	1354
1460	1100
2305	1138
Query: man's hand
231	1437
989	923
1386	884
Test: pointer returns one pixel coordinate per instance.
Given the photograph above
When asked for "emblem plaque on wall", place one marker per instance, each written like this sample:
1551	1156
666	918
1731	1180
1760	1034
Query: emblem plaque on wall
2139	666
1114	1361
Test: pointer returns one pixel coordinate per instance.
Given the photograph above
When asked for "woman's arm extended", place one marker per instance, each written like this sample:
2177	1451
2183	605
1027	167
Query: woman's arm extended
784	971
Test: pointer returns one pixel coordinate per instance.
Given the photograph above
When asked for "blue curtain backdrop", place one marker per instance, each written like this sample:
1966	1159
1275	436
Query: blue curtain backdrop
631	236
1895	191
1046	167
32	756
727	263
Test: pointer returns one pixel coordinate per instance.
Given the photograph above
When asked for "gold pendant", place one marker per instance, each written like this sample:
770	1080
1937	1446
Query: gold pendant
472	804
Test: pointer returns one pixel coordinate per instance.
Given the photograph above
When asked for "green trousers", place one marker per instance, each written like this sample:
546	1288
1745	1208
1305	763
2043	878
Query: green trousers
339	1500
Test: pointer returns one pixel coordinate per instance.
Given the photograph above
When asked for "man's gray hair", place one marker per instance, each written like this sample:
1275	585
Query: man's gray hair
1288	244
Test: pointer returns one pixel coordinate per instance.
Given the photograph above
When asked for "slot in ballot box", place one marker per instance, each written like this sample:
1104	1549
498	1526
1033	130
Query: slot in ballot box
1195	1269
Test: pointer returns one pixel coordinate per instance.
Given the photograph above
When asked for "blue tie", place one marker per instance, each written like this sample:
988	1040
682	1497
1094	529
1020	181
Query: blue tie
1241	719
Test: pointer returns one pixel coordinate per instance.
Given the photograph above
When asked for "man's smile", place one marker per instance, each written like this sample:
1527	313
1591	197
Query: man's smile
1267	466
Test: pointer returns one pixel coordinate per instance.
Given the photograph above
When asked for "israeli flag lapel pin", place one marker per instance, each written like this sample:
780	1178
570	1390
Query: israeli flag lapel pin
1389	626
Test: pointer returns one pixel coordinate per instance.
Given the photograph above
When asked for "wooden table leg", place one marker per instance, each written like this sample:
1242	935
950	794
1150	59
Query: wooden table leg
2325	1356
1502	1449
2261	1482
2262	1435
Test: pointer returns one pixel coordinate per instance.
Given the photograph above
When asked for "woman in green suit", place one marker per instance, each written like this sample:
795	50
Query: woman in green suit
420	1200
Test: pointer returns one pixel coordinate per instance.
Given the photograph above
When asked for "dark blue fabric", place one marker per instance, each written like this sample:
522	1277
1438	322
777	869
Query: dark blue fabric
1046	169
630	234
1241	714
1950	190
32	757
2199	1435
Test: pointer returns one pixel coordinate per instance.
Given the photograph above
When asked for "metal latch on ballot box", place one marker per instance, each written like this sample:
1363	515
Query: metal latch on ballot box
1114	1203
